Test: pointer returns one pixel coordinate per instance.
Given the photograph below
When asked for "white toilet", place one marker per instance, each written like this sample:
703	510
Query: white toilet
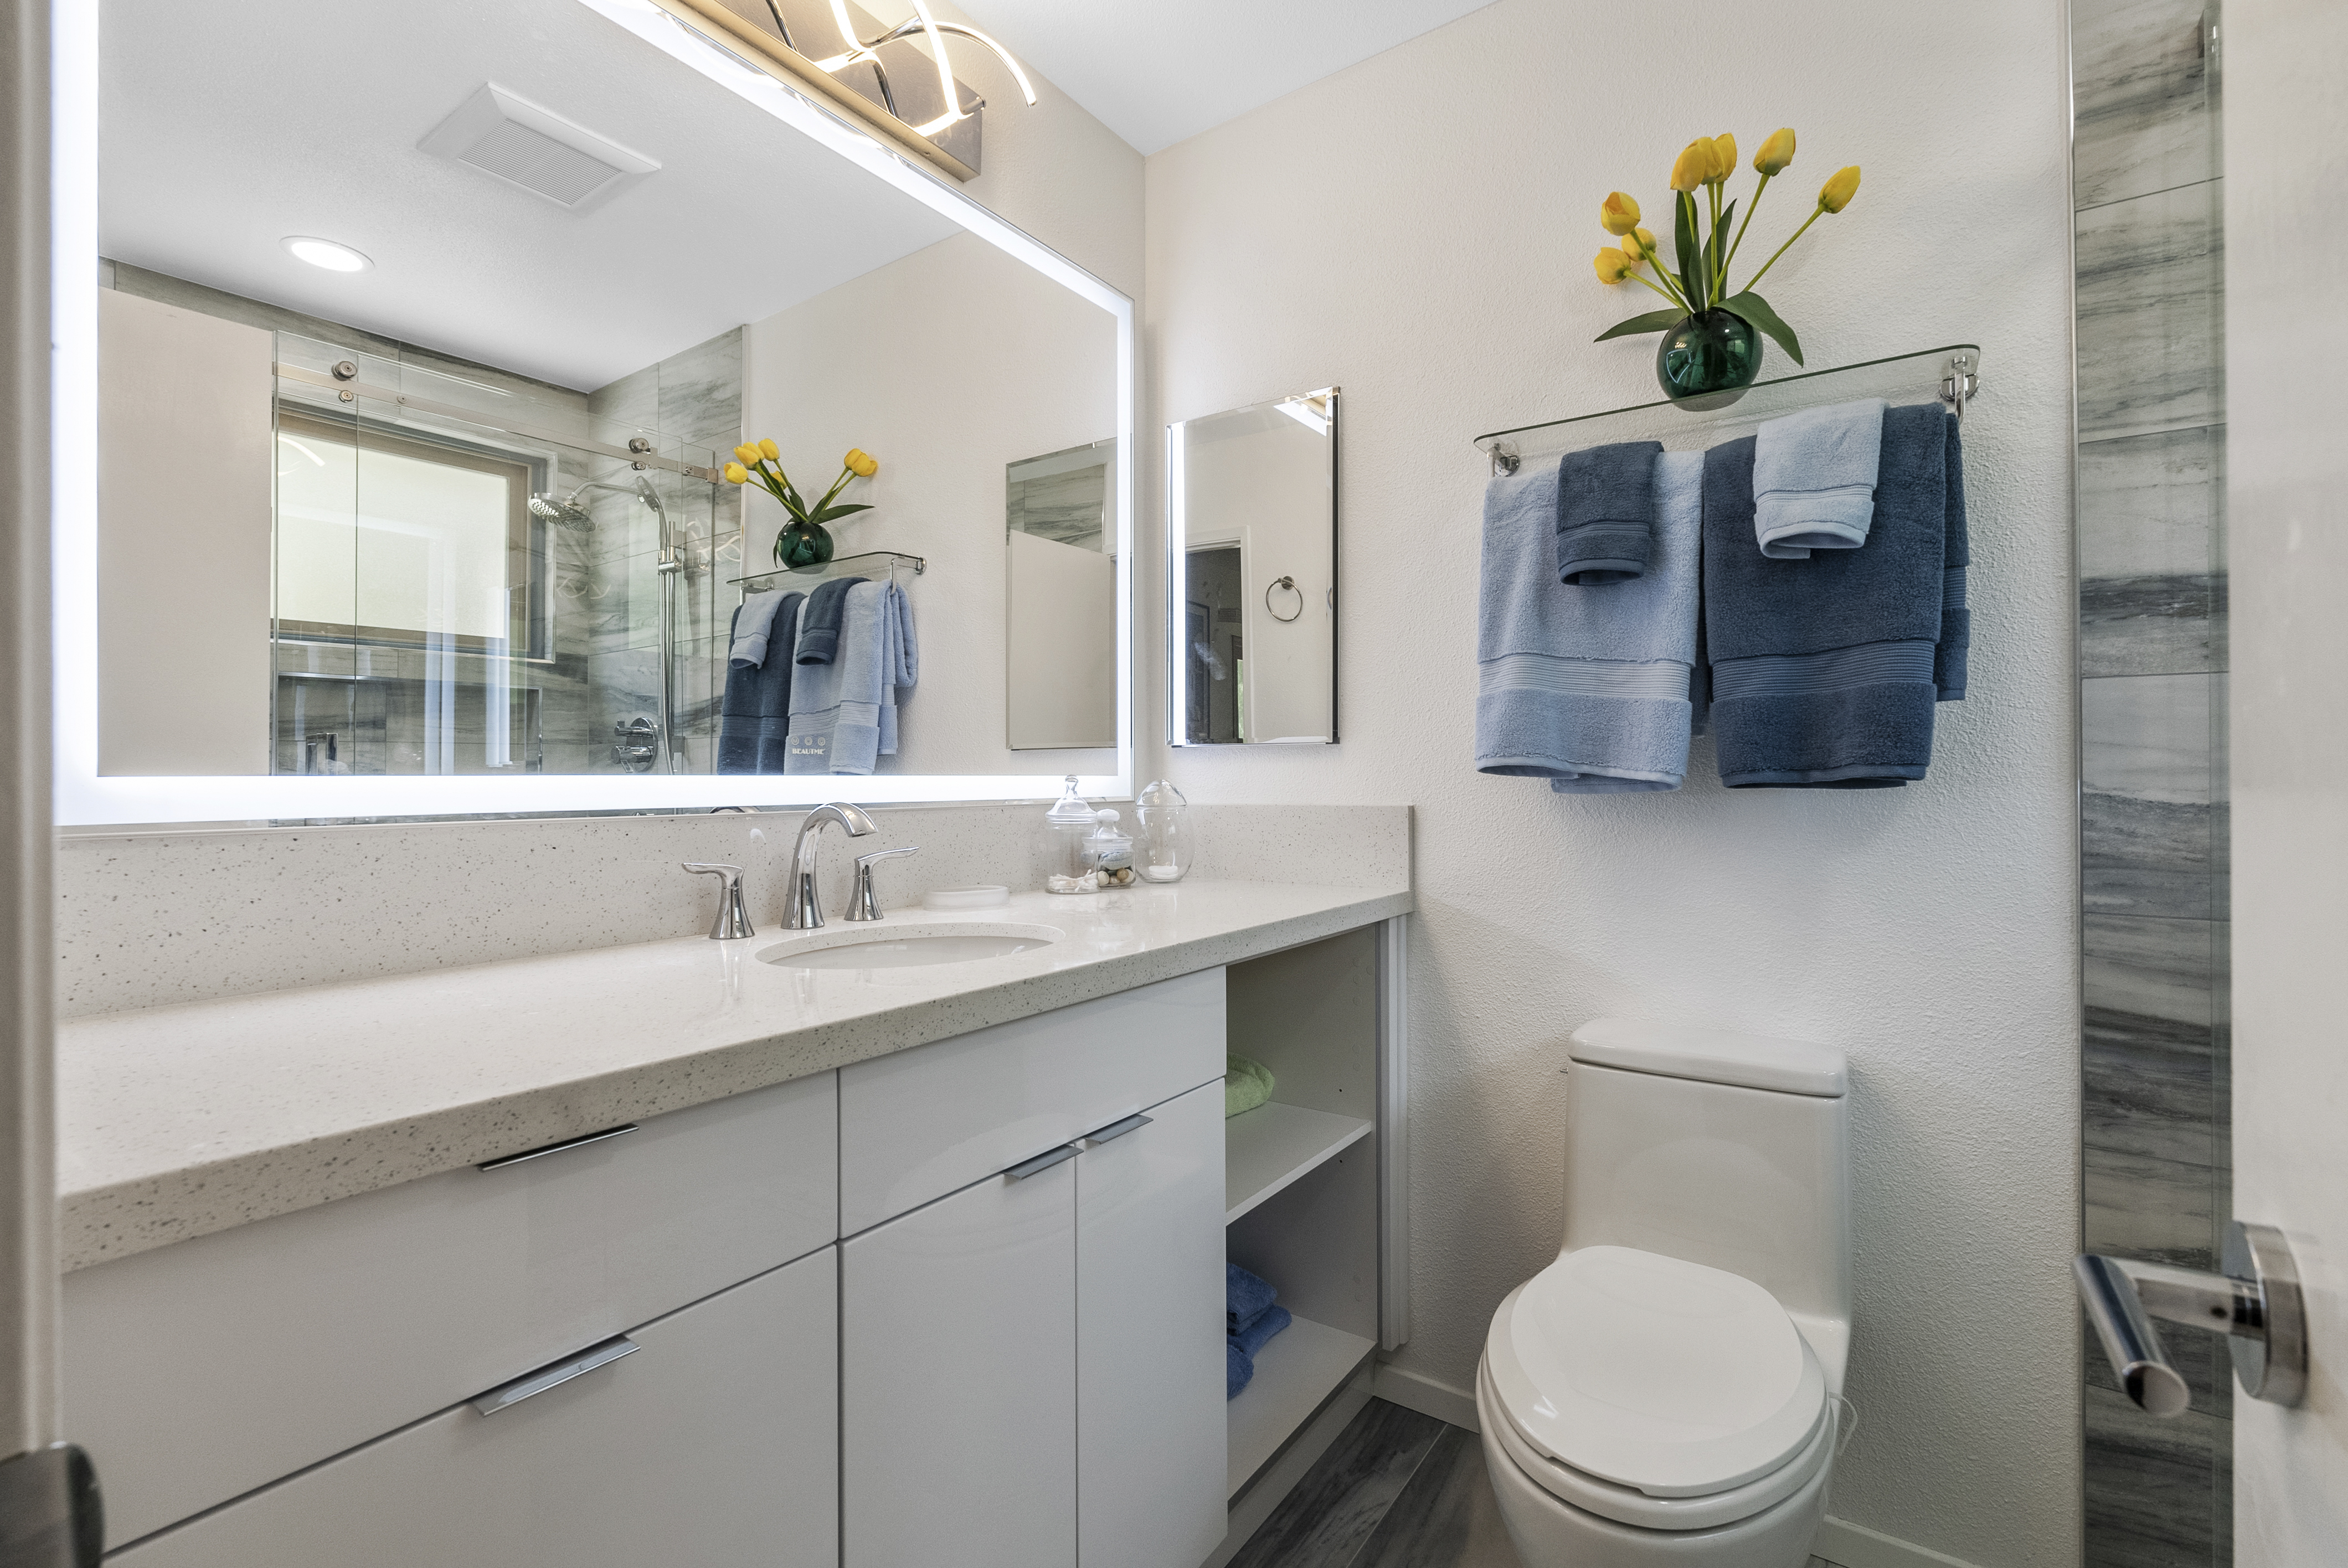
1665	1392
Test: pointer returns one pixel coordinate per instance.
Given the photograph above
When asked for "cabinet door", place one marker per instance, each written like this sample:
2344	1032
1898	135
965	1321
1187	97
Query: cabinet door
715	1441
1149	1339
958	1374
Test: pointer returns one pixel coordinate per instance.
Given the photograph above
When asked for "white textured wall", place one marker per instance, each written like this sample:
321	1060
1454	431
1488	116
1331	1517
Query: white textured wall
1418	230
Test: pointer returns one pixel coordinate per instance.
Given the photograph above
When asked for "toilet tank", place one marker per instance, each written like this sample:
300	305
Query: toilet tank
1723	1149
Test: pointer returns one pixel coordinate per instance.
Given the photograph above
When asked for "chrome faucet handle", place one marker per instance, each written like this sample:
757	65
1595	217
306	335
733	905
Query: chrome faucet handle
862	904
805	909
2255	1302
733	919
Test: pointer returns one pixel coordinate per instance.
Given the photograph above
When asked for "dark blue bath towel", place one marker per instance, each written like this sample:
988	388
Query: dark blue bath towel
1245	1298
775	687
1605	513
1238	1369
1824	670
819	638
1252	1338
1956	621
755	691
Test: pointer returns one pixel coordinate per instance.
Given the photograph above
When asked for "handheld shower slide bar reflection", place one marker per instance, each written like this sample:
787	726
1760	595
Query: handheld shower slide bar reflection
668	561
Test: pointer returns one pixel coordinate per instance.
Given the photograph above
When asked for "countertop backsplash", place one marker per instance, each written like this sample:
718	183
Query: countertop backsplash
152	919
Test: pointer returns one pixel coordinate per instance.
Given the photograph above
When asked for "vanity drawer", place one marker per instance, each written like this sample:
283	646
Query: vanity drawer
201	1371
715	1440
922	1123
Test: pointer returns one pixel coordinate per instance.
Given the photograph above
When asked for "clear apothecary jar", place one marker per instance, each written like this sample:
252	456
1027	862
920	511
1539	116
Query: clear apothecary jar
1167	842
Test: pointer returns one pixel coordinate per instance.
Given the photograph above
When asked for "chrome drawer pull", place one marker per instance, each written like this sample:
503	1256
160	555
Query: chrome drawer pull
580	1141
1043	1161
1118	1129
508	1395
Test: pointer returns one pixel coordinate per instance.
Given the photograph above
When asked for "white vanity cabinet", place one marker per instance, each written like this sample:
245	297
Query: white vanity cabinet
714	1442
1031	1367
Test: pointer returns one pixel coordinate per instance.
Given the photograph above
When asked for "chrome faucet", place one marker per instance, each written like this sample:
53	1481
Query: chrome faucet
733	919
862	904
806	910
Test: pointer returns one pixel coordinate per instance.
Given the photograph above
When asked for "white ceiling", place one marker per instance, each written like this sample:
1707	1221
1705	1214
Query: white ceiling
1156	71
226	126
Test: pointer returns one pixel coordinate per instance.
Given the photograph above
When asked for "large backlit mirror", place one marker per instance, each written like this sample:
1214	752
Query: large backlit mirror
424	335
1251	495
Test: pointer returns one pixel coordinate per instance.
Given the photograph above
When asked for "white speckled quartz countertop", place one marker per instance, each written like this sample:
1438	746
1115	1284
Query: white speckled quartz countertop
174	1121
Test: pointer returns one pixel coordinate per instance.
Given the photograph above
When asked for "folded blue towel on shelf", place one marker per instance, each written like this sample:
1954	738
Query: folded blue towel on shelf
818	641
1587	687
1605	513
835	711
1245	1298
1814	478
1822	670
1239	1368
752	624
776	679
1269	1322
1949	656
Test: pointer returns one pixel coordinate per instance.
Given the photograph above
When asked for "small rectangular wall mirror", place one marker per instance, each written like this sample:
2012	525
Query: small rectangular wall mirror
1252	509
432	508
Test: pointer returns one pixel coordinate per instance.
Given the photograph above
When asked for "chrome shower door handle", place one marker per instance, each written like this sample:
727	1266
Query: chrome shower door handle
2255	1302
862	904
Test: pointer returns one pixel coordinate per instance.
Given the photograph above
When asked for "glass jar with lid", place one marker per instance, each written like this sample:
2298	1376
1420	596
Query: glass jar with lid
1168	843
1067	828
1108	852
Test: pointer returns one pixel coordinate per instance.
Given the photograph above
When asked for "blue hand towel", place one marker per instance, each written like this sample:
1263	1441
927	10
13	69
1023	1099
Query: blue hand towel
1587	687
1814	478
903	667
819	639
835	720
1956	621
1267	1323
1605	513
775	679
1237	1369
752	622
1822	670
1245	1297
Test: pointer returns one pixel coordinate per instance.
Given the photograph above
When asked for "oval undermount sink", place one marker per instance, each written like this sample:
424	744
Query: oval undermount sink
907	947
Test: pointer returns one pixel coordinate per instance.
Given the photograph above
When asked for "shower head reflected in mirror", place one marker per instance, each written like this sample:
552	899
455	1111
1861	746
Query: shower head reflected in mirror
569	514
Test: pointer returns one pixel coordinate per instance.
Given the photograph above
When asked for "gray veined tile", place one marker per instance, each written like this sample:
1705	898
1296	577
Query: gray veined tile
2148	625
2151	505
2144	115
2153	968
2145	802
701	393
2152	1486
631	402
2150	313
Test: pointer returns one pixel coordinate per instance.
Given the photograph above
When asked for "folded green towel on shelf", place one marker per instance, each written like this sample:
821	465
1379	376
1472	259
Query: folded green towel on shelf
1246	1085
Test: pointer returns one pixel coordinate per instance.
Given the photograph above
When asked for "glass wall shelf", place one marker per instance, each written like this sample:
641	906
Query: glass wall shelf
889	561
1951	373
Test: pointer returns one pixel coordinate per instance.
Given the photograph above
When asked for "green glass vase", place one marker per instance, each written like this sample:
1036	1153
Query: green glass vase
1708	359
803	545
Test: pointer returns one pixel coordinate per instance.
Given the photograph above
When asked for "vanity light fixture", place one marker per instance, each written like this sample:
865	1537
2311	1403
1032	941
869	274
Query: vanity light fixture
860	51
325	253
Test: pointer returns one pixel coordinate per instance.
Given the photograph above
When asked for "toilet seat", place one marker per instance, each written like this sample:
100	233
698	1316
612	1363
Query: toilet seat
1628	1379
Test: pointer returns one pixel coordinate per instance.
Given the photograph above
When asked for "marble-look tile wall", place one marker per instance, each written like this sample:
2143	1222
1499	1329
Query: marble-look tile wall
2152	666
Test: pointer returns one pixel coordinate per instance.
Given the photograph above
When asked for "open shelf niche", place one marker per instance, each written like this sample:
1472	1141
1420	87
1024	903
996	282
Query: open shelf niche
1302	1177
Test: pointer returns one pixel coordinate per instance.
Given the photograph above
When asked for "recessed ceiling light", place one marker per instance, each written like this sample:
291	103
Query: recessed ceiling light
327	253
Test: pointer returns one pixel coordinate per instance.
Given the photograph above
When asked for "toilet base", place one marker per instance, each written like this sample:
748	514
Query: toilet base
1550	1532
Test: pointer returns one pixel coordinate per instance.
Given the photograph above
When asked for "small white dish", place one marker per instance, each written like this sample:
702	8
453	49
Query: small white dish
986	896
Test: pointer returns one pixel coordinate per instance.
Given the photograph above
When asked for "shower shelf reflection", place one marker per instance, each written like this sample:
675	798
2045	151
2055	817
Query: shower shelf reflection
1951	373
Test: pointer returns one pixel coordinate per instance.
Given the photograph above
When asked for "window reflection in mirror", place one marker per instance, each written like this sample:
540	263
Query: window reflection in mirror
1252	499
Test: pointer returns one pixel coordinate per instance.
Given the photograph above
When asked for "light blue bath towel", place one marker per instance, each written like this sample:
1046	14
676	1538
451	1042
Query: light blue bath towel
753	623
1814	478
835	708
1587	686
902	669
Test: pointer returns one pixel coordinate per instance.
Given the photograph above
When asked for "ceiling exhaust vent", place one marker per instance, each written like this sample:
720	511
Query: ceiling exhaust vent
519	142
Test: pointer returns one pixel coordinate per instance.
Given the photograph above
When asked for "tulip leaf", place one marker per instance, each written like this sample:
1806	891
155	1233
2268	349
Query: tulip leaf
829	513
1653	321
1752	308
1716	248
1684	248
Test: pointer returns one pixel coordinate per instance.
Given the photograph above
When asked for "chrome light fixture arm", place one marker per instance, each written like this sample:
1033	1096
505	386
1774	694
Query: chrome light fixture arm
862	51
2255	1302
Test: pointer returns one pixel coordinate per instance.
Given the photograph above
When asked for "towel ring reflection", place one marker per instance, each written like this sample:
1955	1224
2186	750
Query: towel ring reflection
1290	584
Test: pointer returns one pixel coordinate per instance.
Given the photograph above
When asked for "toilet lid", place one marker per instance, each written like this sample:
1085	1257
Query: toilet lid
1653	1373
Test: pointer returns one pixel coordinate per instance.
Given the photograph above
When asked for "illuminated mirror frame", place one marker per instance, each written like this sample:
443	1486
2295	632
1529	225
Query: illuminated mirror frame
84	797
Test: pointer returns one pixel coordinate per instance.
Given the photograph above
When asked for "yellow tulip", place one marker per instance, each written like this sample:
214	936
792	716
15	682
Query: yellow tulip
1836	194
1638	244
736	473
747	454
1618	214
1614	267
1694	165
1776	154
1723	157
860	463
770	451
